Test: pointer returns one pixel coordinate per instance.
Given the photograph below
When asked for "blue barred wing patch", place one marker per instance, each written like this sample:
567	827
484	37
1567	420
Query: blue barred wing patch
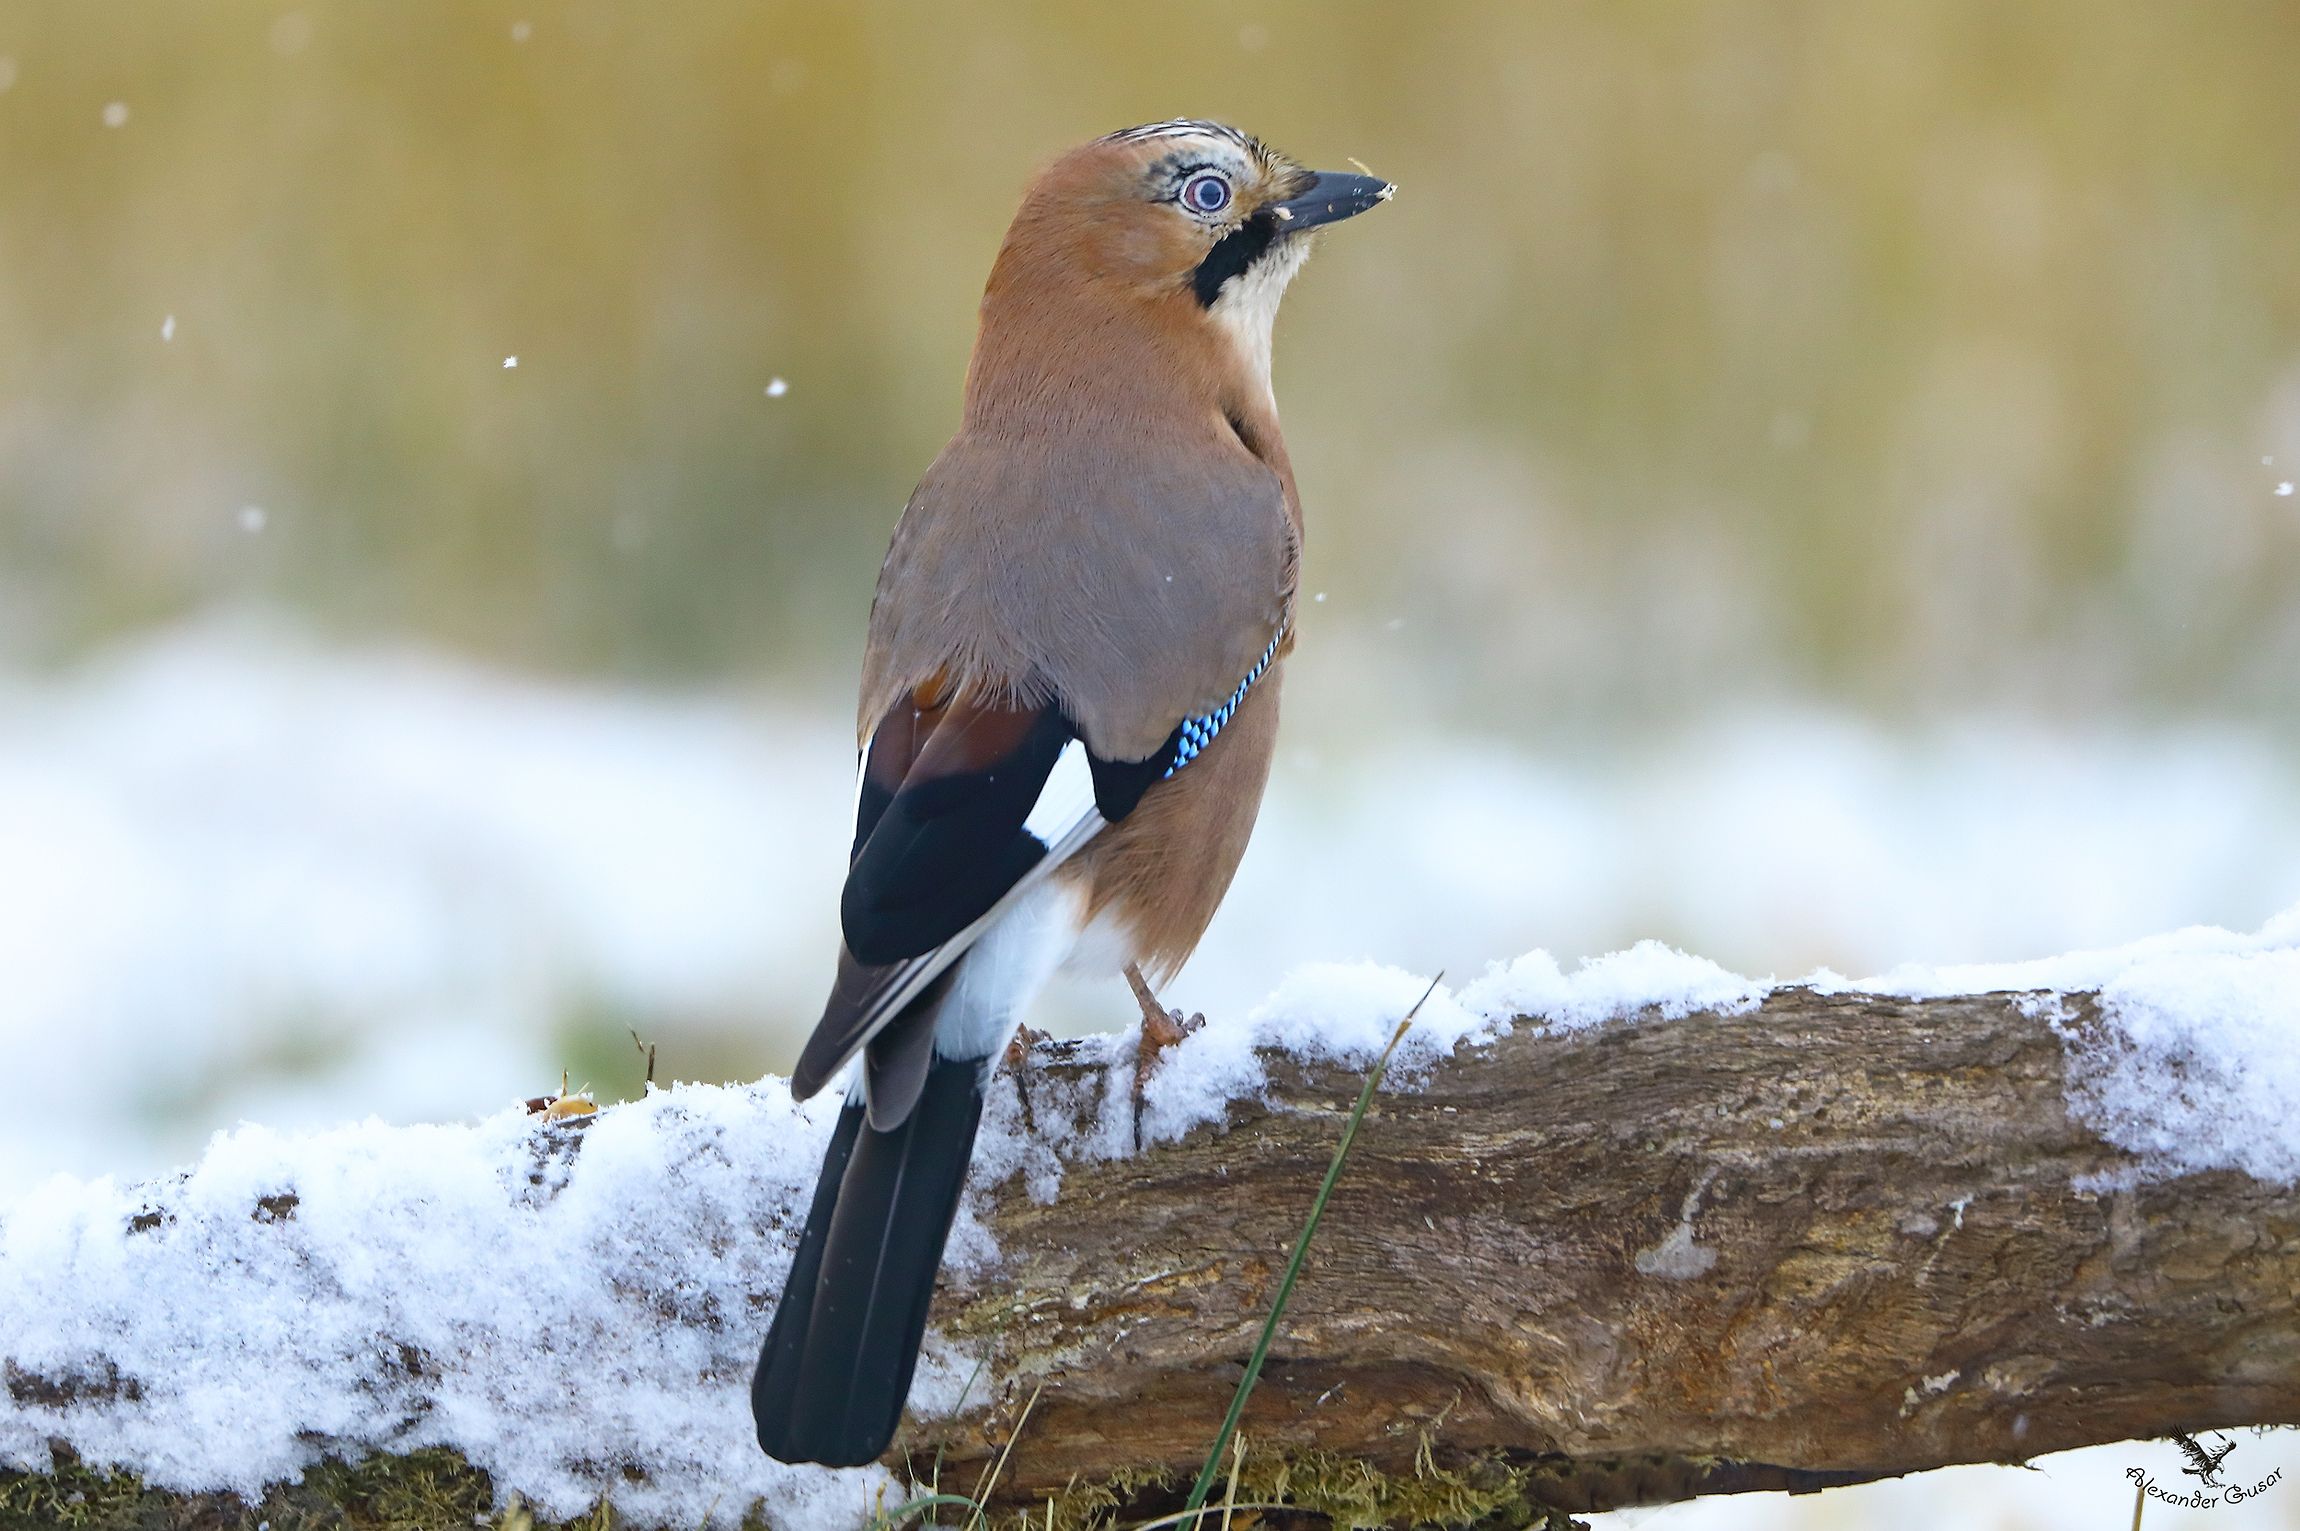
1196	733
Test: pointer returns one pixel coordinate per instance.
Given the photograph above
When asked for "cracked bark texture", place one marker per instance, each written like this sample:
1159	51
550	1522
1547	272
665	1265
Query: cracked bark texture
1829	1239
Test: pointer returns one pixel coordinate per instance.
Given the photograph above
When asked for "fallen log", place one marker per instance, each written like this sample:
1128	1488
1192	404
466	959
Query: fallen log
1821	1240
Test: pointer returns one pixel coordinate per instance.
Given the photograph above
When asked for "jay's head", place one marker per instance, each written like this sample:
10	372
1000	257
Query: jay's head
1183	214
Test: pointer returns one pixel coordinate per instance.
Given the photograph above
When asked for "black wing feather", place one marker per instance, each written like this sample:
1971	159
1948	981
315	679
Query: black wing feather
942	850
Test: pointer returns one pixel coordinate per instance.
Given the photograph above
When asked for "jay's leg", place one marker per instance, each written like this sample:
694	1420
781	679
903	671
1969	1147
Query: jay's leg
1018	1050
1161	1029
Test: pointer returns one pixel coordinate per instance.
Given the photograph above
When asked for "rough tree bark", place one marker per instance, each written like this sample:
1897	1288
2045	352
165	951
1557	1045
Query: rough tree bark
1826	1240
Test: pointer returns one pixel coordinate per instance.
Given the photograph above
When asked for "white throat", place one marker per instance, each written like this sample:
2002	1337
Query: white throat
1247	307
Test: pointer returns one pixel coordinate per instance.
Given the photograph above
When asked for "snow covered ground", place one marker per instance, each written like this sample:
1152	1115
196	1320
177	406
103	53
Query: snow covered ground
398	1287
246	877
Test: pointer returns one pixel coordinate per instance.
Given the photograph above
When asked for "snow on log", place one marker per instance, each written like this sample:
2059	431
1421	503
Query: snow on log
1631	1233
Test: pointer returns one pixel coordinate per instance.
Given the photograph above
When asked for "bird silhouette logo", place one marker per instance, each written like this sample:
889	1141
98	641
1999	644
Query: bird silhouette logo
2203	1465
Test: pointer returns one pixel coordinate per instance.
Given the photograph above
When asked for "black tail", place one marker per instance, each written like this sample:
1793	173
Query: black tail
836	1367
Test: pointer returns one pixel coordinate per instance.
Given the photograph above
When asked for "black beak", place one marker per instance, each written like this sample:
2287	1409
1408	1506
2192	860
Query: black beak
1331	197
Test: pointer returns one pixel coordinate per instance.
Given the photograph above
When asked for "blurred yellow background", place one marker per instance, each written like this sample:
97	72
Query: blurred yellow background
1917	355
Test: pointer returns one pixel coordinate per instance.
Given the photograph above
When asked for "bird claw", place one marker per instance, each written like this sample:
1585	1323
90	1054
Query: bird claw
1018	1047
1161	1029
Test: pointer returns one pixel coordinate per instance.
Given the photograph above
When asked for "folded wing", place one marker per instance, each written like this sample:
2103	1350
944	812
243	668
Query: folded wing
964	806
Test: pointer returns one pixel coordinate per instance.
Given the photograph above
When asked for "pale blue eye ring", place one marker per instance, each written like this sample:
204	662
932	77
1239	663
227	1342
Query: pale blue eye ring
1206	194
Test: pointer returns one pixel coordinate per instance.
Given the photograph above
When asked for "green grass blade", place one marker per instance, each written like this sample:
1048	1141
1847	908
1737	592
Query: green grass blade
888	1519
990	1478
934	1484
1207	1473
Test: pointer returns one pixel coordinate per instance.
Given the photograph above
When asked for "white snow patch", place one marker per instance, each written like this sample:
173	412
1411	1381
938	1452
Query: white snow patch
1345	1012
1326	1012
2090	969
2201	1065
1648	976
2196	1059
559	1303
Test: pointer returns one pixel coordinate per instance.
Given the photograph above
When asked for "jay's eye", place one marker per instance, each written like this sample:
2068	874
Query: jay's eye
1206	193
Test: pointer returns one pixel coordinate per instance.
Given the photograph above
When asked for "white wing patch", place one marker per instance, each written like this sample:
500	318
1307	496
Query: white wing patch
862	775
1063	819
1067	796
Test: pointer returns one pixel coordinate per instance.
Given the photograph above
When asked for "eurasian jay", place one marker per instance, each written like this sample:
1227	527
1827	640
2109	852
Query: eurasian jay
1069	701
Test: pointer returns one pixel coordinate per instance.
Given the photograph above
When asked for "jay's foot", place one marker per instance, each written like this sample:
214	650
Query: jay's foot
1019	1046
1161	1029
1018	1049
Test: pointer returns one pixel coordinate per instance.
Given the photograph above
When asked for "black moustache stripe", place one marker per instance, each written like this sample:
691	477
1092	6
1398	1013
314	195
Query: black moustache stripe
1232	254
